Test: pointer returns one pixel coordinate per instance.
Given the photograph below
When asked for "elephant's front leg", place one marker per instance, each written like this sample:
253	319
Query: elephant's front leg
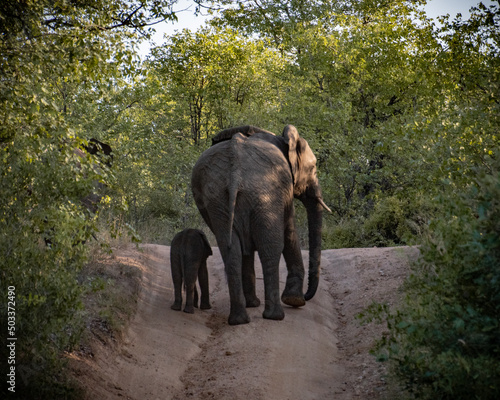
293	294
248	274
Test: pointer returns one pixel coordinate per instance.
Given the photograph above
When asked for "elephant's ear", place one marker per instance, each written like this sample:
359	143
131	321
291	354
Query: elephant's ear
291	137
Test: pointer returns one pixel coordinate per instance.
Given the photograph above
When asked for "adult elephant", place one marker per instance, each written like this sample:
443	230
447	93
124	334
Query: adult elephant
244	187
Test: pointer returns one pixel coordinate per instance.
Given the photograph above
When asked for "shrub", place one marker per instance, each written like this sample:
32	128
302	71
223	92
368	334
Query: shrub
345	234
392	222
43	225
397	222
445	339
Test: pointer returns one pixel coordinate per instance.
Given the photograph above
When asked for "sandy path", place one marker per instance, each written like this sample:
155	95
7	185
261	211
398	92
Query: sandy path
172	355
291	359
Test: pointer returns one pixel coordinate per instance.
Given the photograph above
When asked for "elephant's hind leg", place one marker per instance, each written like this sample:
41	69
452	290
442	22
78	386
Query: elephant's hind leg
248	274
233	265
176	268
270	266
190	277
195	297
203	280
293	294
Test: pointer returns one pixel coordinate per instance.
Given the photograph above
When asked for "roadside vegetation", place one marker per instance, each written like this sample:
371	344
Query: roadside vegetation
402	112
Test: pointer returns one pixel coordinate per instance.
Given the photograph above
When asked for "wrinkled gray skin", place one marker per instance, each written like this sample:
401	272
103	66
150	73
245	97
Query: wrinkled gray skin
244	187
188	260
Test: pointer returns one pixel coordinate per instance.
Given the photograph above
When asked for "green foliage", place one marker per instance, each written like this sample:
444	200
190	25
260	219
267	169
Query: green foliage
396	109
444	339
275	21
395	221
59	62
392	222
43	226
153	159
362	82
215	76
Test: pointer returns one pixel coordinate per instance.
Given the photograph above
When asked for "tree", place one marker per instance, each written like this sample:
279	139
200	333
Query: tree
372	85
355	89
275	21
443	339
215	74
55	54
465	133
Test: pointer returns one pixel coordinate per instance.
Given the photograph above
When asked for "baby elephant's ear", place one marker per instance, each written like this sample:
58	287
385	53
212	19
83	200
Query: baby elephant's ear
292	137
207	244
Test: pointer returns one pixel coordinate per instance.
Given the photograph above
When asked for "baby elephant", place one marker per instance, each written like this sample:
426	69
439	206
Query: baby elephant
188	260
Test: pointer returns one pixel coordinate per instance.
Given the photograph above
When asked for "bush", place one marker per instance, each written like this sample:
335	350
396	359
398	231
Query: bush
392	222
345	234
43	227
397	222
445	338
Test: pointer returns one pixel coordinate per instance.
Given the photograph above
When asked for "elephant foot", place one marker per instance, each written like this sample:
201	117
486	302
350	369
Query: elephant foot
292	295
189	309
238	319
275	313
205	306
253	302
294	301
176	306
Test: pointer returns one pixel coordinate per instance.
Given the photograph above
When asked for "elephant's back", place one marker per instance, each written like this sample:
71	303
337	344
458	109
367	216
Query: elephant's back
257	164
265	167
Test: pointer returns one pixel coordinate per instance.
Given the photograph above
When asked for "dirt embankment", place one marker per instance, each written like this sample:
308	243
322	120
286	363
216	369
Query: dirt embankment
317	352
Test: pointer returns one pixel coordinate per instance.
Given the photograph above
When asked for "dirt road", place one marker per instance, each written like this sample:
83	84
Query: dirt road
317	352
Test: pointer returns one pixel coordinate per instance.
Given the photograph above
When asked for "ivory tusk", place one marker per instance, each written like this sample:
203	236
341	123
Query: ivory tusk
320	200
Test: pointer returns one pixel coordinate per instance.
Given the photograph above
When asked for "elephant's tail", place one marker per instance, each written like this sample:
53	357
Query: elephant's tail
233	192
235	180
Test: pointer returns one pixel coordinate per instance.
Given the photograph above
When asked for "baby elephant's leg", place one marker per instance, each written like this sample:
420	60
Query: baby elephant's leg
176	268
190	275
196	298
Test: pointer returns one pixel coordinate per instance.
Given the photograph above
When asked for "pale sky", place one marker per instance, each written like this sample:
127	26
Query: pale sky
187	19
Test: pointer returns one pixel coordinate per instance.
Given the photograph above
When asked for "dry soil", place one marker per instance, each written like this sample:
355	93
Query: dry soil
319	351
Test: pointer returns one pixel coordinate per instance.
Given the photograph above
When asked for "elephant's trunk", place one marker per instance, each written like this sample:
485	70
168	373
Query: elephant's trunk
314	219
